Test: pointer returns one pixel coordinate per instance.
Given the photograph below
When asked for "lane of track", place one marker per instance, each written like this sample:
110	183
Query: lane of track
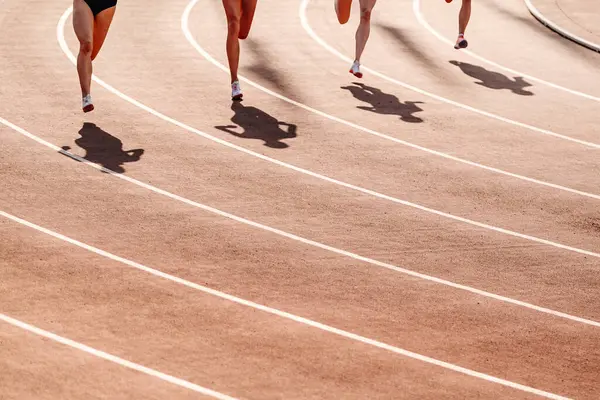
129	245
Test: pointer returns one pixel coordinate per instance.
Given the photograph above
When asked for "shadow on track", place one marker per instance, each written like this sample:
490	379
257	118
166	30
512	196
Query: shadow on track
384	103
104	149
494	80
257	124
409	48
263	72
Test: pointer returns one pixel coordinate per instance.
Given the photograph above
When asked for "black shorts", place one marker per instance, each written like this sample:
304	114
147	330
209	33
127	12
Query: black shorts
98	6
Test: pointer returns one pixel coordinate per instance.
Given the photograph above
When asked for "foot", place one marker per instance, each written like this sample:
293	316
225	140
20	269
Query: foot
355	70
86	103
236	91
461	42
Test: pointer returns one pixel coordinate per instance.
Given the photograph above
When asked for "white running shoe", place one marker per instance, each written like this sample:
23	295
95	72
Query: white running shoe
355	70
236	91
461	42
87	104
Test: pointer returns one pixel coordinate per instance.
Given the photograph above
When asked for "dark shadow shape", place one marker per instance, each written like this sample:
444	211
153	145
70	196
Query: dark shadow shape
104	149
384	103
494	80
410	48
257	124
263	68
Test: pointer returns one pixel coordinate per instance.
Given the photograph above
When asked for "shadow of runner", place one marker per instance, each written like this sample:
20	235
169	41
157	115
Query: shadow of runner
104	149
409	48
385	103
494	80
257	124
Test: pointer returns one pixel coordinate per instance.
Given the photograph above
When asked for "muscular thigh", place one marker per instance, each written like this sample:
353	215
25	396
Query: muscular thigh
83	21
101	25
248	7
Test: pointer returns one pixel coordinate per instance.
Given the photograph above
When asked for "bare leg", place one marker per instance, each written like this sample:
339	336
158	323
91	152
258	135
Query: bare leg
233	11
83	24
101	25
364	28
464	16
248	9
342	9
463	21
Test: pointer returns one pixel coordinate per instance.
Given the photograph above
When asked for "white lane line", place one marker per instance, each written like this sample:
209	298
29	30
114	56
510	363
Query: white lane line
188	34
286	315
114	359
561	31
425	24
309	30
63	44
304	240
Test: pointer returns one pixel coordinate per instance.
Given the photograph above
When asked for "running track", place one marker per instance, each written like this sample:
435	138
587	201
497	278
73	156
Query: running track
432	232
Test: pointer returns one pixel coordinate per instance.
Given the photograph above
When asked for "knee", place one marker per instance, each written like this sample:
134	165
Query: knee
365	14
86	48
233	25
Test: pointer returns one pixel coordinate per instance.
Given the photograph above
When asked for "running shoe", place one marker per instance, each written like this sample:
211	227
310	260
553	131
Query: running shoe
461	42
355	70
236	91
86	103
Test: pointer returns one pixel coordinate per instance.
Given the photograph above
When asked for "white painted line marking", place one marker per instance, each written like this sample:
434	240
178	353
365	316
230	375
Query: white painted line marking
63	44
425	24
114	359
309	30
304	240
286	315
561	31
185	27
